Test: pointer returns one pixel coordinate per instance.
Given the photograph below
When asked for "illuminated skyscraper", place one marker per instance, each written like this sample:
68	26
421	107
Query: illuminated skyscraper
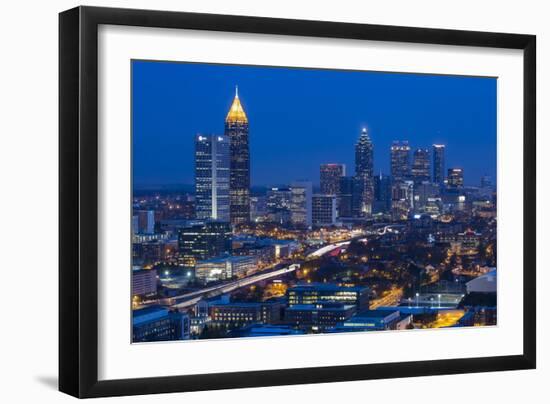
236	129
278	201
420	170
330	175
364	170
364	155
300	203
438	163
400	158
455	178
212	177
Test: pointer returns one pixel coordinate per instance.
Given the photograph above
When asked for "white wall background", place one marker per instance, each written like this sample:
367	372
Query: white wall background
28	197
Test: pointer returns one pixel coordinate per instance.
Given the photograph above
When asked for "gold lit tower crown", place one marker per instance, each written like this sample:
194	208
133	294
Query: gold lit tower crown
236	113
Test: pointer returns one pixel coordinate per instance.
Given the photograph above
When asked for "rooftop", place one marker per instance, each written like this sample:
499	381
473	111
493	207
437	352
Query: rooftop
148	314
326	287
326	307
375	313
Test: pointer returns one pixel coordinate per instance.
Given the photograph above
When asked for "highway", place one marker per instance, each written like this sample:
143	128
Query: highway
391	297
190	299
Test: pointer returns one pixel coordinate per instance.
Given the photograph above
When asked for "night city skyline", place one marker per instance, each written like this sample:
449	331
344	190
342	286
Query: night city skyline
174	101
378	210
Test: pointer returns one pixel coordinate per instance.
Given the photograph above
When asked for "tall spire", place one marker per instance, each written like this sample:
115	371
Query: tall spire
236	113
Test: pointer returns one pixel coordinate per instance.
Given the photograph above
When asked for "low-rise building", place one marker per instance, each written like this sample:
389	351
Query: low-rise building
318	293
466	243
158	323
220	268
265	330
240	314
318	317
377	320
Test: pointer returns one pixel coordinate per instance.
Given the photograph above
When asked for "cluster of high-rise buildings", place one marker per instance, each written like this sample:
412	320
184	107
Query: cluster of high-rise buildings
202	227
415	176
418	182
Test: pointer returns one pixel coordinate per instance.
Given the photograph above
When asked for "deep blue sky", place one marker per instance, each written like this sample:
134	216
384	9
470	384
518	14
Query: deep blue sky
300	118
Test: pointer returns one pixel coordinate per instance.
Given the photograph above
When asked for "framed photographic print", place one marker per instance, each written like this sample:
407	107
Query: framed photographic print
251	201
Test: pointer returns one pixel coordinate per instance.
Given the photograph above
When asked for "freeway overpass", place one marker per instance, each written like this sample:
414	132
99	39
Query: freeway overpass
191	298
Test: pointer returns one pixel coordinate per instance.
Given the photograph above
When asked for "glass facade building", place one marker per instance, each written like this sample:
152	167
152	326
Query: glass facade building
301	203
236	129
420	171
330	175
324	210
212	177
202	241
438	151
455	178
400	157
364	171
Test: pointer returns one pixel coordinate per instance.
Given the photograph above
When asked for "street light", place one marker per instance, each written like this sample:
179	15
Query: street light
417	295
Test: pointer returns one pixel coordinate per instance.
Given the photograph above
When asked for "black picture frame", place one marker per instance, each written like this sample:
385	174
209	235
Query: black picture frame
78	196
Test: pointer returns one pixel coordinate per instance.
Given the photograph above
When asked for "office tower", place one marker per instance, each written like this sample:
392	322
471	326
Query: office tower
402	199
382	194
438	151
258	207
149	252
144	282
425	193
278	205
420	171
357	196
203	240
323	210
212	177
236	129
300	204
400	161
345	197
144	221
364	171
330	175
455	178
135	224
364	155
